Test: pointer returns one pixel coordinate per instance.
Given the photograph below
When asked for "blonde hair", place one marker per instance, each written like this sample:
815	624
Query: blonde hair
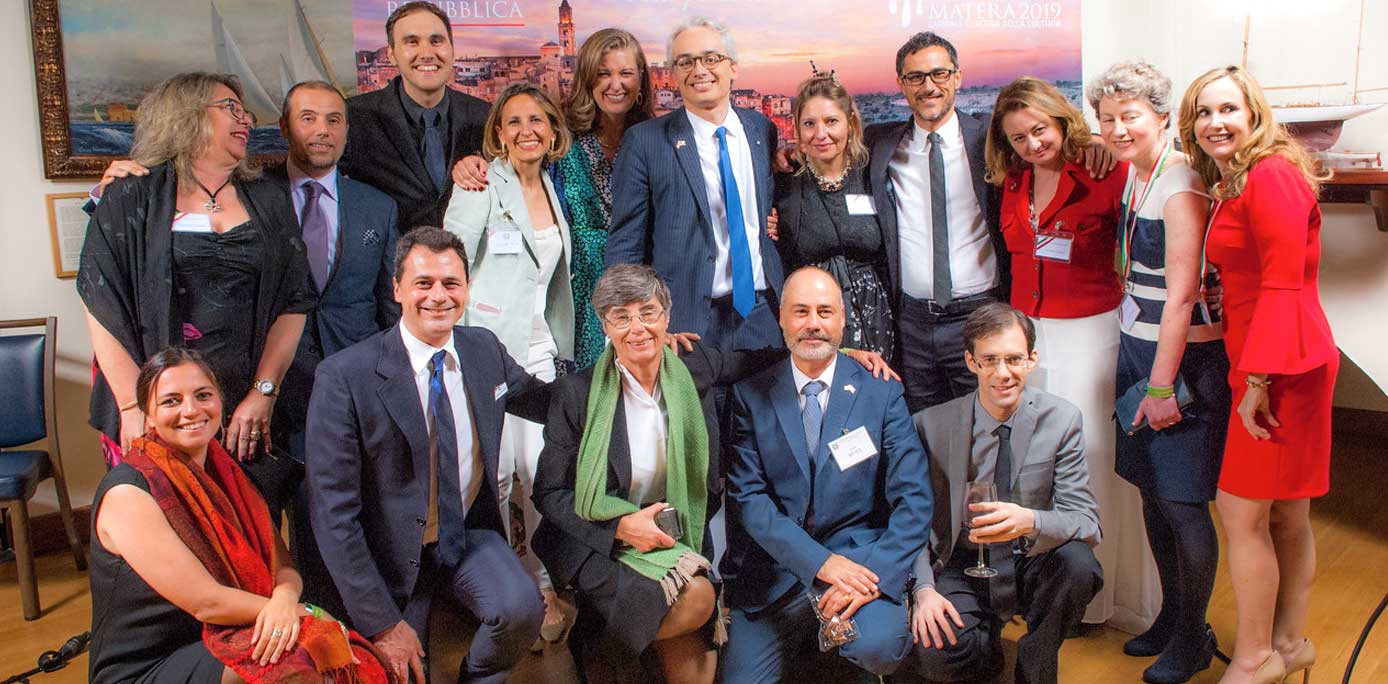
1266	137
1032	93
173	124
493	148
580	109
828	87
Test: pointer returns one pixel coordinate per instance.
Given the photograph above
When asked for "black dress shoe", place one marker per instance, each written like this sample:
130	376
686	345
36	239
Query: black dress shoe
1182	659
1147	644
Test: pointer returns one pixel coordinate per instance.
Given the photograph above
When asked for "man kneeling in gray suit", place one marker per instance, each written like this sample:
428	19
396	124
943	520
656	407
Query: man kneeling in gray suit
1038	534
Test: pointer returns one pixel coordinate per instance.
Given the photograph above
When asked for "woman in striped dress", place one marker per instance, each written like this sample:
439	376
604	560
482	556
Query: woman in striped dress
1168	337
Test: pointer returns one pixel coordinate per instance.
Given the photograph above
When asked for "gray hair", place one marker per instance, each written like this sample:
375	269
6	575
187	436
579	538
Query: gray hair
700	21
626	283
1132	81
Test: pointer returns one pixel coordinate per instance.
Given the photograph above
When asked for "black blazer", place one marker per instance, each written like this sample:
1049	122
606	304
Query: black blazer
792	192
563	540
368	461
882	140
382	150
358	300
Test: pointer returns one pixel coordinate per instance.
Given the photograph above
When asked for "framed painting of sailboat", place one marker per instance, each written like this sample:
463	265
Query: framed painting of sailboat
95	60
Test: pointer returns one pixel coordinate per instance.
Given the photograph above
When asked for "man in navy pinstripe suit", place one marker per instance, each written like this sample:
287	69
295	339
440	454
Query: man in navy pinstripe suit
677	181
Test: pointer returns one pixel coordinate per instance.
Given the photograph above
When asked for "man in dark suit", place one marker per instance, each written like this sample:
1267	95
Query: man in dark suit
826	494
673	184
406	136
403	434
939	218
1038	534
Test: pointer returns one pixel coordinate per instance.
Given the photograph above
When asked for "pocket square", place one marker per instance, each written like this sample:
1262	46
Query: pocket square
370	237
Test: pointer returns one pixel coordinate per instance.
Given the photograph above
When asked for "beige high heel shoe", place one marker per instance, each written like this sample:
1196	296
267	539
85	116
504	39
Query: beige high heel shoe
1300	659
1271	671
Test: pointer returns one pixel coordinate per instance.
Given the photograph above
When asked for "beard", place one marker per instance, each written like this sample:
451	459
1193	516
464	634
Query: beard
799	349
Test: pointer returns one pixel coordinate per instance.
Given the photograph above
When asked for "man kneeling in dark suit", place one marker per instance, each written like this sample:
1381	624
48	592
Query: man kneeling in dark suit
404	428
1038	533
826	496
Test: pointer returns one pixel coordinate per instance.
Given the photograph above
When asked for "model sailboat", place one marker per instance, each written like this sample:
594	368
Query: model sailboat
303	60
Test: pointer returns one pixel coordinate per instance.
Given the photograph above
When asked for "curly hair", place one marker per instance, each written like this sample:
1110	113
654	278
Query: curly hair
581	110
1131	81
173	123
493	148
1032	93
1266	137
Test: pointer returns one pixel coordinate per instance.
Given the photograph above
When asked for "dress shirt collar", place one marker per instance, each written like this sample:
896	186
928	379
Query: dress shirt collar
421	353
415	111
631	384
949	134
706	130
827	377
297	178
985	422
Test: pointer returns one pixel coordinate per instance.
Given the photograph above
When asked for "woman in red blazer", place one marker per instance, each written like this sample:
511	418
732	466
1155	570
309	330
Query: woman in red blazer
1264	237
1061	227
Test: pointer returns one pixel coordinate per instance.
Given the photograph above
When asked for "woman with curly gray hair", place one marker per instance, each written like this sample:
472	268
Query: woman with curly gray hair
1172	446
199	253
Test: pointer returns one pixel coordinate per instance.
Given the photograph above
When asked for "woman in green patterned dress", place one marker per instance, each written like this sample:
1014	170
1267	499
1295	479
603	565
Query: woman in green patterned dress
611	91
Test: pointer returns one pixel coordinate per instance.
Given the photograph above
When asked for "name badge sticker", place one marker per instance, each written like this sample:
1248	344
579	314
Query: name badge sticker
1054	246
504	242
852	448
1127	313
860	205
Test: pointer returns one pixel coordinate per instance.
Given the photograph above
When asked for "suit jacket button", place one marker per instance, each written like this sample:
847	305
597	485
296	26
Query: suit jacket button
1035	294
421	521
414	562
710	259
799	520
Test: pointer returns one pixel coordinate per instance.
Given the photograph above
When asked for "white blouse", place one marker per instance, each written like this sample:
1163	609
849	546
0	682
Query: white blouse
647	430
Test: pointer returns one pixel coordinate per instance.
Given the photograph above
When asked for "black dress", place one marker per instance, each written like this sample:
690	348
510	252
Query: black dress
817	229
138	635
215	275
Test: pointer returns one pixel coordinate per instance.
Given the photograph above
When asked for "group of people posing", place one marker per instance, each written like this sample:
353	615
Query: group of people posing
832	412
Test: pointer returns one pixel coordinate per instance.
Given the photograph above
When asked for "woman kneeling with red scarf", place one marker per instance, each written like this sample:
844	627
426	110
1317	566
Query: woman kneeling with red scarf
190	582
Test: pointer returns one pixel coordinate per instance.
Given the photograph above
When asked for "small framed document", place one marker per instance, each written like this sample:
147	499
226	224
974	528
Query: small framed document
67	227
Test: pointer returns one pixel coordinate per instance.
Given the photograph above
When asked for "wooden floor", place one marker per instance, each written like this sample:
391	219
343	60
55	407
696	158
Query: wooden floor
1351	526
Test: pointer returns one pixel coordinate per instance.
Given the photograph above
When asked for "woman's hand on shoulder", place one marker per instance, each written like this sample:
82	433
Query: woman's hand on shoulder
874	363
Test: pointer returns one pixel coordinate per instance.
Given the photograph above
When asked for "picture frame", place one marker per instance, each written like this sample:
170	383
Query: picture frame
67	229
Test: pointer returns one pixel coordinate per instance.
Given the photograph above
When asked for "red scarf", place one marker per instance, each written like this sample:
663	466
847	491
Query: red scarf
220	516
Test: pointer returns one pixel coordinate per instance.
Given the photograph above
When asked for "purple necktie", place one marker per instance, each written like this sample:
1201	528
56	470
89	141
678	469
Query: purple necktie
318	235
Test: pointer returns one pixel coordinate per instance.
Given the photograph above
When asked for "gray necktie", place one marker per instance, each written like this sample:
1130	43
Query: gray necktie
434	161
939	221
812	415
318	235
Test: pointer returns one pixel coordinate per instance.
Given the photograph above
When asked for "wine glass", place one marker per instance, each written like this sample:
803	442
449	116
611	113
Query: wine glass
979	492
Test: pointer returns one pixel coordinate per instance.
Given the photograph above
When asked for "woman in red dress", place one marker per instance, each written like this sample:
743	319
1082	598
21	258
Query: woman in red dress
1264	237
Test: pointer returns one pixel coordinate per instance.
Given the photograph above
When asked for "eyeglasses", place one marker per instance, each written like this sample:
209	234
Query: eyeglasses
621	320
708	59
235	109
940	76
1015	361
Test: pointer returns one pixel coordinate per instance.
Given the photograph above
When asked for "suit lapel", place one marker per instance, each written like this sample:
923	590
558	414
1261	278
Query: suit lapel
975	135
481	399
618	448
399	394
1023	427
344	225
512	199
959	452
847	373
401	134
786	402
761	161
681	134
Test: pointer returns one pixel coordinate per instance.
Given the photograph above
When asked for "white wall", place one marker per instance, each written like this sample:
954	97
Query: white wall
1183	37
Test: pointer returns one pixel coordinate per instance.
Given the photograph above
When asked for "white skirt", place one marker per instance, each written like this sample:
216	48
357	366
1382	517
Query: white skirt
1077	360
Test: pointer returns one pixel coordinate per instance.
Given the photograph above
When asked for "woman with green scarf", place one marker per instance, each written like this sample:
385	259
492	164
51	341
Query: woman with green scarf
626	439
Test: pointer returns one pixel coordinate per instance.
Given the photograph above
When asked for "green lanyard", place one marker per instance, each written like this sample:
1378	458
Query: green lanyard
1130	212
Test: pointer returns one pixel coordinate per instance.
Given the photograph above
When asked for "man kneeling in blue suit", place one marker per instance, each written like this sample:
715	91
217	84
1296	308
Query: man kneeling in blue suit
827	496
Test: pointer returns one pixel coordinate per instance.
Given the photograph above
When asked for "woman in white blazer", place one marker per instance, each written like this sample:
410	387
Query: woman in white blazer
518	247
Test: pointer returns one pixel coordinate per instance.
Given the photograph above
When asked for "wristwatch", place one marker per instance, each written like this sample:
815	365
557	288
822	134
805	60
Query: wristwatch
267	387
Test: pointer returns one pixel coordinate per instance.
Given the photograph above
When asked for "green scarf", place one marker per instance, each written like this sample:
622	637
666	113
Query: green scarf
686	470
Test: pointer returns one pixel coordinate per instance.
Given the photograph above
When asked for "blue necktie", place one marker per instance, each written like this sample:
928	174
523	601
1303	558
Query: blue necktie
317	233
812	416
445	438
744	291
433	150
